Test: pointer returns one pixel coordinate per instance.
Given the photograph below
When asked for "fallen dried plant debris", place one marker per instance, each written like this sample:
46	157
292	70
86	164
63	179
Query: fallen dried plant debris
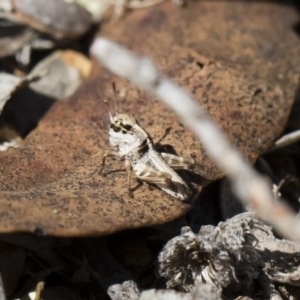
39	25
203	291
281	257
14	37
234	253
57	18
89	264
218	255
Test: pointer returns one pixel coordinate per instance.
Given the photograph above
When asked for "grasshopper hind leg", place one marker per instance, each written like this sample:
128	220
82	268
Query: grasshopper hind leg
152	176
178	162
165	181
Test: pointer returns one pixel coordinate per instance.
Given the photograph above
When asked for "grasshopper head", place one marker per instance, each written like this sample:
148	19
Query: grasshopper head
121	129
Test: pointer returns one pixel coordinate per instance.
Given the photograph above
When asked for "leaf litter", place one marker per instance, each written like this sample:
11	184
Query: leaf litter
51	184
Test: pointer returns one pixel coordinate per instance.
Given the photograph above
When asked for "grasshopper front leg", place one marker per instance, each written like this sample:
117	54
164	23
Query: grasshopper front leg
129	172
108	154
178	162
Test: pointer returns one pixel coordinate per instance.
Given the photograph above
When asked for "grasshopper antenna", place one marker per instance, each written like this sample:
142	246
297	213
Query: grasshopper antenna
115	97
109	111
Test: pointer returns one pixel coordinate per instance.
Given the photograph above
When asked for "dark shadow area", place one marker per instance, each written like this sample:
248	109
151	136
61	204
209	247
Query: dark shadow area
25	109
189	176
10	29
166	148
206	208
297	28
294	119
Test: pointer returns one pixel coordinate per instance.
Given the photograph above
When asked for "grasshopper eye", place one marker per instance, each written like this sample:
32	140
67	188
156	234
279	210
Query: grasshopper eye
128	127
115	128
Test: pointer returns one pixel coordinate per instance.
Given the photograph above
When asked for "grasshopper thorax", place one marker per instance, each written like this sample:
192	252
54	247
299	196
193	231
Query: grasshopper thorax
125	133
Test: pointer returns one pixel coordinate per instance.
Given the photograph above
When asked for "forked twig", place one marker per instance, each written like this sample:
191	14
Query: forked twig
251	188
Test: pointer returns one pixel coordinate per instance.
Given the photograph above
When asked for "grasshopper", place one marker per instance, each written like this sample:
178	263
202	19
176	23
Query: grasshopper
136	146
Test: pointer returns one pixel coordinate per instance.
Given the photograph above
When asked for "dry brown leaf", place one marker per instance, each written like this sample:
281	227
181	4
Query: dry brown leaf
55	182
51	184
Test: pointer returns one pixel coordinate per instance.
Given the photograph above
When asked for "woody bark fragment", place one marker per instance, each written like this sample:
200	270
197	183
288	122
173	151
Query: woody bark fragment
251	188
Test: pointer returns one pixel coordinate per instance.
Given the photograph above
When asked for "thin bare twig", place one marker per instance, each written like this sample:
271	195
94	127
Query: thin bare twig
285	140
251	188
